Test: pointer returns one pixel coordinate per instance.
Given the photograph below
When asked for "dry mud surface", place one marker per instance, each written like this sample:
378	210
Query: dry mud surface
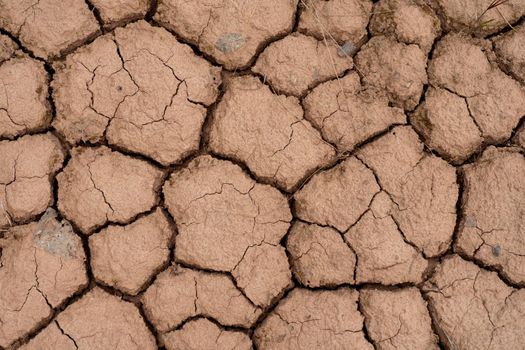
262	174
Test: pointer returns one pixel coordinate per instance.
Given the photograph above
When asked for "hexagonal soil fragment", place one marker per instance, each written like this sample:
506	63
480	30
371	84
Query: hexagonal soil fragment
407	21
495	101
510	48
337	197
398	68
447	126
397	319
126	257
479	17
48	27
117	12
100	186
230	32
202	334
339	20
23	101
348	113
320	256
473	309
383	254
228	222
26	168
267	132
138	87
423	188
97	321
308	319
298	62
263	273
179	294
41	265
491	229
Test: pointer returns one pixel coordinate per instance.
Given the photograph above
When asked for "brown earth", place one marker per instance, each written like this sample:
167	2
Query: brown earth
266	175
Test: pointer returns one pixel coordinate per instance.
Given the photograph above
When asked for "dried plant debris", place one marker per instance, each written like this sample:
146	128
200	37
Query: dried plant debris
480	17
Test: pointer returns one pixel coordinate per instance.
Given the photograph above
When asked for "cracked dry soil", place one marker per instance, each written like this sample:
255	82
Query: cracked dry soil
262	174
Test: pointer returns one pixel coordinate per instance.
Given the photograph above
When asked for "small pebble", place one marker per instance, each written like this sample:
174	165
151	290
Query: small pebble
496	250
348	49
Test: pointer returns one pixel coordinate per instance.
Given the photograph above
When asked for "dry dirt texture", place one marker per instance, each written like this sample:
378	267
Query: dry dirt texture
262	174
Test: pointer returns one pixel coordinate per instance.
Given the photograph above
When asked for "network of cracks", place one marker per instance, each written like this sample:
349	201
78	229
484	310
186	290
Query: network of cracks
278	174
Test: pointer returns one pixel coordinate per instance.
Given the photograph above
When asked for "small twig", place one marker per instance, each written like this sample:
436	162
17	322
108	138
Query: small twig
494	5
6	214
501	14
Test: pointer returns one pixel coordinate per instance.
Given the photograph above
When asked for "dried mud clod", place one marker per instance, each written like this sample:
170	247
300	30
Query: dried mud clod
202	334
397	318
422	187
140	89
309	319
473	309
23	100
398	68
126	257
510	48
491	229
408	21
268	133
348	112
320	257
114	13
100	186
298	62
181	294
31	21
41	265
27	166
338	20
230	32
470	102
96	321
227	222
